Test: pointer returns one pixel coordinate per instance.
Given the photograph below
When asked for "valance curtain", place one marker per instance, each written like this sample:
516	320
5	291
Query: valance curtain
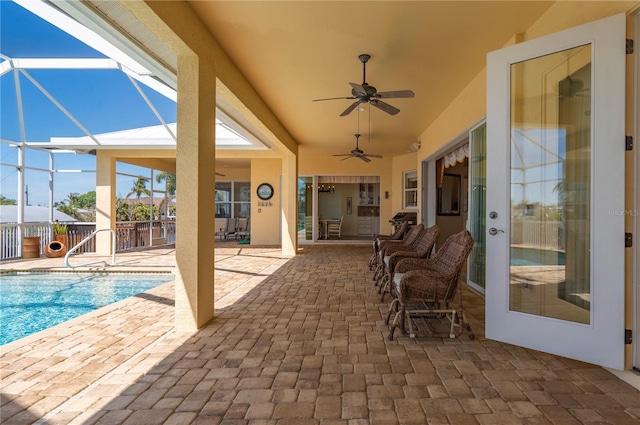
457	155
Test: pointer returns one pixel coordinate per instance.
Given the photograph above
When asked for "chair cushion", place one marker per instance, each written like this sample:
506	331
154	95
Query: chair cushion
397	277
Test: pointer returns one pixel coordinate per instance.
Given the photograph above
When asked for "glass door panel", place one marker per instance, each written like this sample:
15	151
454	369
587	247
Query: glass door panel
550	185
477	205
305	208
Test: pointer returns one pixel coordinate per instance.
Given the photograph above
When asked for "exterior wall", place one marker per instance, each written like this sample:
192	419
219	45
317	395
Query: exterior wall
236	174
265	220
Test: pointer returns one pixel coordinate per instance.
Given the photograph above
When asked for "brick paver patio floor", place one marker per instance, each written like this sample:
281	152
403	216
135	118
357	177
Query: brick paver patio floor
295	341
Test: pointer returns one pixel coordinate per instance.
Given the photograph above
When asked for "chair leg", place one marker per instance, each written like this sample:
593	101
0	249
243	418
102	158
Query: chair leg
383	287
377	274
401	314
392	306
398	322
372	261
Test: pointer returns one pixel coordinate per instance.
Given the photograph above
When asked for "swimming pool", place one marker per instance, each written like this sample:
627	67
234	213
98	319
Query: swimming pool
31	302
521	256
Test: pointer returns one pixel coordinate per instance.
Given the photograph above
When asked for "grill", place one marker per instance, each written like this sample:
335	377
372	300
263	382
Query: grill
401	217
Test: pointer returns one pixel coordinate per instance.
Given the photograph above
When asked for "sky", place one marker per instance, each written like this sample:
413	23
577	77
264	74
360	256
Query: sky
101	100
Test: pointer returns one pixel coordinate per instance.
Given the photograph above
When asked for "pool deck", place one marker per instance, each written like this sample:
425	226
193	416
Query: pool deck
295	341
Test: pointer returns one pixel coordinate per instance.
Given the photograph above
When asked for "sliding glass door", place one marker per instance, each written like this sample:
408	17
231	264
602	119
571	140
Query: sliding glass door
477	206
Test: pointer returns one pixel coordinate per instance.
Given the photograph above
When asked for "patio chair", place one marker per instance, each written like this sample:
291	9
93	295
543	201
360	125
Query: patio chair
397	235
422	249
334	227
426	287
244	230
232	228
409	238
221	225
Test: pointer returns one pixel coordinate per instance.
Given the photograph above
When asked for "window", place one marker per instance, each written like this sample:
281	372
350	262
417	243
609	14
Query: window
410	186
233	199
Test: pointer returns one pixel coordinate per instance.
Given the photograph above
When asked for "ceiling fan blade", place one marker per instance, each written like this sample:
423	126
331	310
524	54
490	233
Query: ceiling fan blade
220	174
364	158
347	157
332	98
384	106
343	154
351	108
359	89
373	155
394	94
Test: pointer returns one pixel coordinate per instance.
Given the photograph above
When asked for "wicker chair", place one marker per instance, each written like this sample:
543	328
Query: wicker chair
428	286
422	249
408	240
397	235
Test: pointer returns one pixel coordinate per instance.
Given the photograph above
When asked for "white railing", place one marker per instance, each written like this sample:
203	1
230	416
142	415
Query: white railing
82	242
542	234
129	235
11	236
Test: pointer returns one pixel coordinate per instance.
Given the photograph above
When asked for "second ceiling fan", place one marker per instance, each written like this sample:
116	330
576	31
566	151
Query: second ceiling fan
359	153
364	93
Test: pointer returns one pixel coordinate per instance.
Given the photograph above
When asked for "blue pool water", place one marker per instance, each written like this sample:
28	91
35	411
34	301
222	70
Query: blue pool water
32	302
536	257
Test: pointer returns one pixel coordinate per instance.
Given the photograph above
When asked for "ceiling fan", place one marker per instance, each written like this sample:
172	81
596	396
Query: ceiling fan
359	153
365	93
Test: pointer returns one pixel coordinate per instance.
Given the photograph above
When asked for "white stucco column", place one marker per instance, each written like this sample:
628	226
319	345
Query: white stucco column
105	200
195	177
289	205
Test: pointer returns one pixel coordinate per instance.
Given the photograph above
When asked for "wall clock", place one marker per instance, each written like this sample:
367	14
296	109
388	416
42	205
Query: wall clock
265	191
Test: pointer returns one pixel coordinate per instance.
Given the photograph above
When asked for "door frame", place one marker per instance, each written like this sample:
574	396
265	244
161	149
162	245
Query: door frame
429	191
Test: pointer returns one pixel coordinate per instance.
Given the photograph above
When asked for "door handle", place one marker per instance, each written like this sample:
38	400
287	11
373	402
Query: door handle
493	231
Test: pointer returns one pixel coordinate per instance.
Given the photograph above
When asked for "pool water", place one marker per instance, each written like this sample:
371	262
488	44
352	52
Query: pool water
32	302
536	257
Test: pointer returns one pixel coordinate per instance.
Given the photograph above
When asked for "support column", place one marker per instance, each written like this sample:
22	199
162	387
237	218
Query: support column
195	177
105	200
289	220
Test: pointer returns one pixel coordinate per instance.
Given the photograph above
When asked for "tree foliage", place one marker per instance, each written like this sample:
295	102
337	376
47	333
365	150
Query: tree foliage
7	201
139	188
82	207
170	182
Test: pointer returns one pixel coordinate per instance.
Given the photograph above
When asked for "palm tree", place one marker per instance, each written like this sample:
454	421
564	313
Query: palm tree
170	188
73	199
170	179
139	188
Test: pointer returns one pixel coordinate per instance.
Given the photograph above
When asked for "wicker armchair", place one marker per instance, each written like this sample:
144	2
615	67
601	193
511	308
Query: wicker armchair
422	249
428	286
397	235
407	241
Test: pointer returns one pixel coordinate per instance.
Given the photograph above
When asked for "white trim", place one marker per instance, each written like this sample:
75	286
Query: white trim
636	225
64	63
81	32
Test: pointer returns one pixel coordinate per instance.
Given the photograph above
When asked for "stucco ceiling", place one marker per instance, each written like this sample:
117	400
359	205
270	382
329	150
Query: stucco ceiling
293	52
